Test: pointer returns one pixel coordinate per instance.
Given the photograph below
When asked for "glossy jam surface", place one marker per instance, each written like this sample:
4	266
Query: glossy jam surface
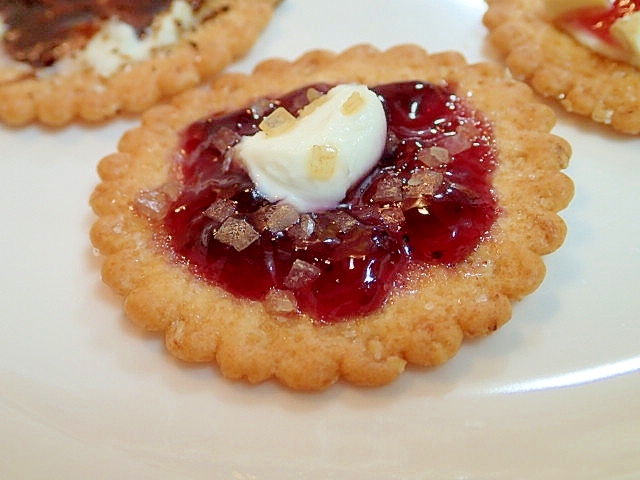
428	200
598	21
40	32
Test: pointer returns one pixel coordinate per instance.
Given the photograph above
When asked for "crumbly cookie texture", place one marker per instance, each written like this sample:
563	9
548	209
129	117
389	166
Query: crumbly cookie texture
424	322
227	32
558	67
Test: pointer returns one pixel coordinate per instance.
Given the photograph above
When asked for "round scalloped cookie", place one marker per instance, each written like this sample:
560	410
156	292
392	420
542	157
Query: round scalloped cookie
423	323
230	29
558	67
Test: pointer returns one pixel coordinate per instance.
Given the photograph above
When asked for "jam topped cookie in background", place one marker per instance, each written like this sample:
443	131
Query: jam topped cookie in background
62	60
338	216
583	53
609	28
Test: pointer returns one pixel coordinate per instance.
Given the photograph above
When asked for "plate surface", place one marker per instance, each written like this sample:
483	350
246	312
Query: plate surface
553	394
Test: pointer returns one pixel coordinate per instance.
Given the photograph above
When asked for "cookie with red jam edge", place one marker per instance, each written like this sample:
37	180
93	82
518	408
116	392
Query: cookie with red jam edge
38	89
431	307
560	68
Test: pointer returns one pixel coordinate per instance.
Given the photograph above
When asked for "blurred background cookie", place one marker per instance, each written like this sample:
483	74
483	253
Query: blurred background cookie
66	60
584	54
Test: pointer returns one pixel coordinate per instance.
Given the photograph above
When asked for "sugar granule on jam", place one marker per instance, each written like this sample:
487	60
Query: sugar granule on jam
427	201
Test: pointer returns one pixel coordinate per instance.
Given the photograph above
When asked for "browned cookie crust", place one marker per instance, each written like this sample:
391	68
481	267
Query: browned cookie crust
423	323
227	32
558	67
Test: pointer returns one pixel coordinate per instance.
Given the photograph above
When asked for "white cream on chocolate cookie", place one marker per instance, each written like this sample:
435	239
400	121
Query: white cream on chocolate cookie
117	43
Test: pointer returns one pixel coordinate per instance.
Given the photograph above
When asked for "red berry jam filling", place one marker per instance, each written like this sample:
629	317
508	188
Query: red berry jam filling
40	32
428	201
598	21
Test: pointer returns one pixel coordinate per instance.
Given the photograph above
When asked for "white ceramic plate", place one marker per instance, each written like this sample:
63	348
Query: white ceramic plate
553	394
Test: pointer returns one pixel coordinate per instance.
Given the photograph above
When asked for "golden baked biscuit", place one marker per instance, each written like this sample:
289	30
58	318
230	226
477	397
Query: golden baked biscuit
56	80
557	66
429	307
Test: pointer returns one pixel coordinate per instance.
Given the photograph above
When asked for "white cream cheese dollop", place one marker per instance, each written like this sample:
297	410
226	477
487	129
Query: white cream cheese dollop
309	162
